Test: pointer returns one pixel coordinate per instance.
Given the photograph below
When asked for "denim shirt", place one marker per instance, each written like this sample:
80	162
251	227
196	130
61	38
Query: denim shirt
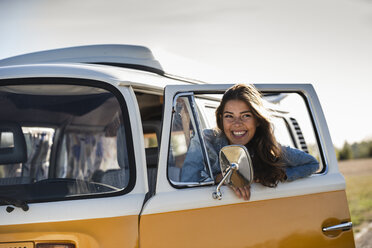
298	163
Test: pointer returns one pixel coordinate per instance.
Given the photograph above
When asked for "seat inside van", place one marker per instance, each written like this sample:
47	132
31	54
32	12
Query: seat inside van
151	129
13	150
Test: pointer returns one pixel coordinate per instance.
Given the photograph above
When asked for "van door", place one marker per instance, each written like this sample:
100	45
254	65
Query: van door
294	214
71	173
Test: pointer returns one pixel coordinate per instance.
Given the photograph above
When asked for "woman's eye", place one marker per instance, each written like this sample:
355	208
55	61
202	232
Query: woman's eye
246	116
228	116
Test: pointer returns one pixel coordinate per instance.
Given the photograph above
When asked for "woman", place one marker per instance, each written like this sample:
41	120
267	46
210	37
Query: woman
242	119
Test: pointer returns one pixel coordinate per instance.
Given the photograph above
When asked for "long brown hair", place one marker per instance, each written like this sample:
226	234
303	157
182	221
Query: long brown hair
266	152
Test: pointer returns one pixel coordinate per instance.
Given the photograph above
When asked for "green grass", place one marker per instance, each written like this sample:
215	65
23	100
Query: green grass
359	195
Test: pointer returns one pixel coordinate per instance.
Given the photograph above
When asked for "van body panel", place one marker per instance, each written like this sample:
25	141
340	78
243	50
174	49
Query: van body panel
92	233
177	200
109	74
284	222
58	211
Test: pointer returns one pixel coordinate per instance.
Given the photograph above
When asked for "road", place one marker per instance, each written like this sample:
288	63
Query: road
356	168
364	238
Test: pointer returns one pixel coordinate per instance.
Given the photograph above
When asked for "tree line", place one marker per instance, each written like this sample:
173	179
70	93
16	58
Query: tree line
355	150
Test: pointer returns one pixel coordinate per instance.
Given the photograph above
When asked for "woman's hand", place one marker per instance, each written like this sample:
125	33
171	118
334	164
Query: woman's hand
244	192
240	192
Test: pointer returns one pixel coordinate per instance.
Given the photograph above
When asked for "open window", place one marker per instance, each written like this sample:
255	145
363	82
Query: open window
295	126
194	115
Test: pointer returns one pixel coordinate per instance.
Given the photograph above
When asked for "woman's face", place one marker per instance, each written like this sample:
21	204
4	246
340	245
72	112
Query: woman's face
239	123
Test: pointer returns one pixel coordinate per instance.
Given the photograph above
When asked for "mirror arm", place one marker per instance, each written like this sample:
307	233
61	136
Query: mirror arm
217	194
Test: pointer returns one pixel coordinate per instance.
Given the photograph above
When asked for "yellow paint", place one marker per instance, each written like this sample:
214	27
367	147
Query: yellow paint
284	222
94	233
18	244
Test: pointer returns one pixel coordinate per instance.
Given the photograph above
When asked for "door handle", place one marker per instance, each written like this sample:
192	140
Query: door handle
343	227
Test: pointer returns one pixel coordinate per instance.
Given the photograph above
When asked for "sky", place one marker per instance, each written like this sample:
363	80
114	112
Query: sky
323	42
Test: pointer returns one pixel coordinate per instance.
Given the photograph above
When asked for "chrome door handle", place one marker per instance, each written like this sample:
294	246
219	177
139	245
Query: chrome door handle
343	227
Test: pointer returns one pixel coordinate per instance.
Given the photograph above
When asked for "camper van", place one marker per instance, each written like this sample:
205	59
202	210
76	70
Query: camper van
92	145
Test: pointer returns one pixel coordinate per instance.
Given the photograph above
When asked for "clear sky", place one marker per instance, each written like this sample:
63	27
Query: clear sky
323	42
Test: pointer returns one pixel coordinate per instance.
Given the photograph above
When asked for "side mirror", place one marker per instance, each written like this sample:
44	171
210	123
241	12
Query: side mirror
236	168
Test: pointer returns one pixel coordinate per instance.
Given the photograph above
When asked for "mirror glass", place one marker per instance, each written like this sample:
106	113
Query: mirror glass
239	155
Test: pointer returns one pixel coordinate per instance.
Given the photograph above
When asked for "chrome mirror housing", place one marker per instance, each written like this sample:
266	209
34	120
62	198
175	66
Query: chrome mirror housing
236	168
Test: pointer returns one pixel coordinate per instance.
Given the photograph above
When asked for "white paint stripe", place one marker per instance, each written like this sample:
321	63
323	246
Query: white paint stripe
74	210
201	197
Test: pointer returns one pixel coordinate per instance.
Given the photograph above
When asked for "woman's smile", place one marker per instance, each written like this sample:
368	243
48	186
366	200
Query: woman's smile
239	133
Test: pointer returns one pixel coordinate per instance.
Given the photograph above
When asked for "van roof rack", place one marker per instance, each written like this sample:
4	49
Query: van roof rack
127	56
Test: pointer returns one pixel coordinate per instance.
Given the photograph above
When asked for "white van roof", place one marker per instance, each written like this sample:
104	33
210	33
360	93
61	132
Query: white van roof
128	56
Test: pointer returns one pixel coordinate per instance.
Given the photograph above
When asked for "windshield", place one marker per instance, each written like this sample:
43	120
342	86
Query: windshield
60	141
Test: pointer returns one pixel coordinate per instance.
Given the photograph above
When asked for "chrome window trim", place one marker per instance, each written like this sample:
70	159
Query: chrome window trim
201	139
196	122
191	184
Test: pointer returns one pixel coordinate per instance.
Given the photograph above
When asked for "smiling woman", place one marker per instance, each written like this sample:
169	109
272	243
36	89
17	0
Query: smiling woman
242	119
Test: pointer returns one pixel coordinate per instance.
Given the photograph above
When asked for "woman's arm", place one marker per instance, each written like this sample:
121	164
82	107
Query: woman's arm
193	169
298	164
194	163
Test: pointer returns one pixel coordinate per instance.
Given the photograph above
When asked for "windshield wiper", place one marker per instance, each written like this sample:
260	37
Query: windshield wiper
14	202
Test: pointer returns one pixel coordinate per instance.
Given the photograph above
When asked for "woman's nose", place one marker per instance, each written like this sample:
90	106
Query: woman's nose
238	120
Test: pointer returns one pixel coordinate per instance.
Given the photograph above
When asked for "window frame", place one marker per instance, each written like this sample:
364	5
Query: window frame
305	91
196	120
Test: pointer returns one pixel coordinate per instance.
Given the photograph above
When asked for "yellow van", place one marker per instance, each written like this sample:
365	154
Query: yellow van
92	144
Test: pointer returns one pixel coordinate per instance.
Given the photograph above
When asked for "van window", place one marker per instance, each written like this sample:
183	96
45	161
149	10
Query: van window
300	125
290	117
77	140
186	143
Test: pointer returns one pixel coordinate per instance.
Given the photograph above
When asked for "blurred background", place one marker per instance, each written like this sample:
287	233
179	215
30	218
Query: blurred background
323	42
